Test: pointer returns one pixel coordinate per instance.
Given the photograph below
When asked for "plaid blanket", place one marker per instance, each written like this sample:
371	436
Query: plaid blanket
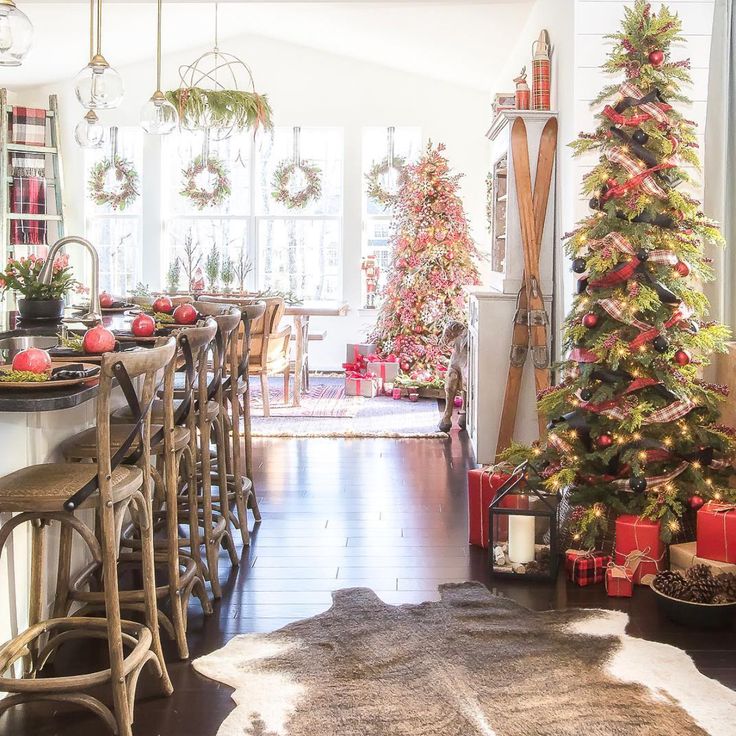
28	190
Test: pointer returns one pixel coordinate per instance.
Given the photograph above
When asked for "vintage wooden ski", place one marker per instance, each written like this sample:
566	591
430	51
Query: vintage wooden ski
530	320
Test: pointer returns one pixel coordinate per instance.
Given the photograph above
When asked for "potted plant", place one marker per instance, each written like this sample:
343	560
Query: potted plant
227	273
173	276
212	268
39	301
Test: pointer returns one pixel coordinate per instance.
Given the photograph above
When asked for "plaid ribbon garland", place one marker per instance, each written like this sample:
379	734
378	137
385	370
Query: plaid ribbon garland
656	109
656	480
640	176
558	443
671	413
617	242
617	310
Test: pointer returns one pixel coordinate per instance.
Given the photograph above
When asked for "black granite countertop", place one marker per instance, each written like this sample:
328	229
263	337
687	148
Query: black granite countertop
47	399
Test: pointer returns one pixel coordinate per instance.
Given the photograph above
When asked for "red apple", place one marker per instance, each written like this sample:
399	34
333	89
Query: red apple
33	360
144	325
106	300
98	340
163	304
185	314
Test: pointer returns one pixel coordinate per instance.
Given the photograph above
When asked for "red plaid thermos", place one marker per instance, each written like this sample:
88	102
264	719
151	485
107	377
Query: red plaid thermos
541	72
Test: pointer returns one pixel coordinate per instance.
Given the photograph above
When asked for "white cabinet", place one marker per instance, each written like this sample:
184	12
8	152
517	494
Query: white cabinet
492	310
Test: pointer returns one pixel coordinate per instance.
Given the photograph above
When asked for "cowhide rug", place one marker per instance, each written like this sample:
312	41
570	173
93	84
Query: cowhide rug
472	664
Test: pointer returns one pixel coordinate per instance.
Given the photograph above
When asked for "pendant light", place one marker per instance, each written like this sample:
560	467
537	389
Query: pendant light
158	115
16	33
98	86
89	132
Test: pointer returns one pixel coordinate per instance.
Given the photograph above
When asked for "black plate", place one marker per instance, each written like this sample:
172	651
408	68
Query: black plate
696	615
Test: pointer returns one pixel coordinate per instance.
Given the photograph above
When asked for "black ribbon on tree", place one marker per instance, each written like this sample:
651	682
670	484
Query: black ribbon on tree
627	102
644	154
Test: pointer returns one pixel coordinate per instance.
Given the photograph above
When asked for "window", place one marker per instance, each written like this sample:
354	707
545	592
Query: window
225	227
377	219
117	233
300	251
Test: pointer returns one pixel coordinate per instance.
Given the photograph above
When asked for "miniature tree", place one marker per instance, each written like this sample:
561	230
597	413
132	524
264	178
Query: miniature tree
192	258
227	273
433	259
212	267
173	276
633	427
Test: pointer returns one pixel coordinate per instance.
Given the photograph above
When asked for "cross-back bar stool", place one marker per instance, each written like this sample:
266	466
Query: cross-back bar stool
119	482
171	447
241	490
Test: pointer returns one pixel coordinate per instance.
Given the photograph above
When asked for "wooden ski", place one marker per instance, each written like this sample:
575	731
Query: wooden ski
530	320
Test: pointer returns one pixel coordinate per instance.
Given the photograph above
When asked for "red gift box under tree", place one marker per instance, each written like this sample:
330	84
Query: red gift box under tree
586	567
639	546
716	532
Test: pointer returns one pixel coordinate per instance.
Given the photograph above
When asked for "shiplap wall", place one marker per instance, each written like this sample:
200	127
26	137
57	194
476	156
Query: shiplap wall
596	18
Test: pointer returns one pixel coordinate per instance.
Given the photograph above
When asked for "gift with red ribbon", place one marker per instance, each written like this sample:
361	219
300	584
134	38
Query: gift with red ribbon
359	352
639	547
619	581
483	484
586	567
387	368
716	531
361	383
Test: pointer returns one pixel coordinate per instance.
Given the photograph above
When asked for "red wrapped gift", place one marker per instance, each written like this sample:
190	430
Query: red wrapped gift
619	581
483	484
716	532
586	567
639	547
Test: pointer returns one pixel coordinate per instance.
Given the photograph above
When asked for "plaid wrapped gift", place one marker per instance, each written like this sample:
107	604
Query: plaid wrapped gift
586	567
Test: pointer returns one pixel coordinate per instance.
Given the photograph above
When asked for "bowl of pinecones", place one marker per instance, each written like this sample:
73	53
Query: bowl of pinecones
699	598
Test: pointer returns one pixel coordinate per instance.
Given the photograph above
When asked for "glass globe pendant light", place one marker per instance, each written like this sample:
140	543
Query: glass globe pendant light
98	86
89	132
16	34
158	115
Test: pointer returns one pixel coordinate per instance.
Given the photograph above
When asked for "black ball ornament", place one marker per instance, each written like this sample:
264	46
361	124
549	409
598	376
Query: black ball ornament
578	265
660	344
638	483
582	286
642	255
594	203
640	137
586	394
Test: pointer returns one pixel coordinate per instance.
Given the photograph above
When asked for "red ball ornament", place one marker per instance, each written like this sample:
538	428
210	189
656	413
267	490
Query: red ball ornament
590	320
404	365
604	440
143	325
418	329
33	360
695	502
682	268
682	357
656	57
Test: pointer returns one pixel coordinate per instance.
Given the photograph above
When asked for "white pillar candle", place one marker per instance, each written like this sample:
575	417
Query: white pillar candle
521	538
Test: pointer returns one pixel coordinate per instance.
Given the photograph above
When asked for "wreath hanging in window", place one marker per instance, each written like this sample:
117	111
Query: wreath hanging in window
125	189
283	189
200	195
375	189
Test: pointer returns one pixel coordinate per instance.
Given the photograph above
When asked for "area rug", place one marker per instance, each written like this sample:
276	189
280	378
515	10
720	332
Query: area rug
325	398
377	417
471	664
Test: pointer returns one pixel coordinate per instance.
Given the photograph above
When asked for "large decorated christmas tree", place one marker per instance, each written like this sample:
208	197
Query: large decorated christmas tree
633	425
433	258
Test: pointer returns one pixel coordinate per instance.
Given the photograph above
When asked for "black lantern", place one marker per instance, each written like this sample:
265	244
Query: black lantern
523	530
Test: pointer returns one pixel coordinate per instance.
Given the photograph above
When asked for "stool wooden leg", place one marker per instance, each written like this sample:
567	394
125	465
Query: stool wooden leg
210	543
220	443
265	398
61	605
178	615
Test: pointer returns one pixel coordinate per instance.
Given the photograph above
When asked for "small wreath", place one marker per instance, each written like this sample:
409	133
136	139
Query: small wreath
125	174
199	195
374	189
311	191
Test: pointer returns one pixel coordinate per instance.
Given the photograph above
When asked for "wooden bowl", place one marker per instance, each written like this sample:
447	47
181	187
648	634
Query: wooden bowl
696	615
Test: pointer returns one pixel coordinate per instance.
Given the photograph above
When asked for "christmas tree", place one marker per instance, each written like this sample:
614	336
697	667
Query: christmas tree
633	427
433	258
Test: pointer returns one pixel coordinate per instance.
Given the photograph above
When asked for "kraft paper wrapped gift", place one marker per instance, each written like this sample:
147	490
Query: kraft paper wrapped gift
683	557
363	349
367	386
386	369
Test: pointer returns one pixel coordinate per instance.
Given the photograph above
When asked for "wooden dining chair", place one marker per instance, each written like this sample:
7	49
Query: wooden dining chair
119	481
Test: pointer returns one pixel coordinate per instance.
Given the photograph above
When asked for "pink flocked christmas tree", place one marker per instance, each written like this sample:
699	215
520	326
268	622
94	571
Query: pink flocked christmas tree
433	258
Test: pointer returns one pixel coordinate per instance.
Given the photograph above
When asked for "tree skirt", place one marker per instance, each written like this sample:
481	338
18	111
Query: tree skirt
344	416
471	664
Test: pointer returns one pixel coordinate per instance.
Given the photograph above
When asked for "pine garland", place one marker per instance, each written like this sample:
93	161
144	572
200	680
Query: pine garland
220	108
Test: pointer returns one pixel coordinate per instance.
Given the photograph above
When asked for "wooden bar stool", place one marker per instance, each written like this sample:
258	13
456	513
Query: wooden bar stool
42	494
241	491
170	445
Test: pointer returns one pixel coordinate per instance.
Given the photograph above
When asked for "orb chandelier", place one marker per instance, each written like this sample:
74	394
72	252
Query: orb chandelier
89	131
98	86
16	34
158	115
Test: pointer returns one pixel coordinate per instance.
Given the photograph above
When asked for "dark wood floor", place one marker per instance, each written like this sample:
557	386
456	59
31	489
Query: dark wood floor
387	514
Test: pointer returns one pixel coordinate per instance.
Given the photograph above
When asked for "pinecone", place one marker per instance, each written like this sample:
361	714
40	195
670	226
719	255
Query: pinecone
699	572
704	589
672	584
721	598
727	584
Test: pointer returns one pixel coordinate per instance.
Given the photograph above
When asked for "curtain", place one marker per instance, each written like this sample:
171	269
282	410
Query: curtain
720	159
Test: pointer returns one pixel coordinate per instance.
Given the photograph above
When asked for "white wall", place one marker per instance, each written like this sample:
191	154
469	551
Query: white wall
309	87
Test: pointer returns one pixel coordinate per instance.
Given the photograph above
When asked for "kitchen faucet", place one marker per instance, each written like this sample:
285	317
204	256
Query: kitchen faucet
94	314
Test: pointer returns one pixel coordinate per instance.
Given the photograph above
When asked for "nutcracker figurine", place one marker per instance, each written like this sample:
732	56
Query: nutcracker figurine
372	274
522	95
541	73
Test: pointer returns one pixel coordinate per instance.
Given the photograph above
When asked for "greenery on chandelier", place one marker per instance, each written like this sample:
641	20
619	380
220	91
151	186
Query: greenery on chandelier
201	108
633	427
